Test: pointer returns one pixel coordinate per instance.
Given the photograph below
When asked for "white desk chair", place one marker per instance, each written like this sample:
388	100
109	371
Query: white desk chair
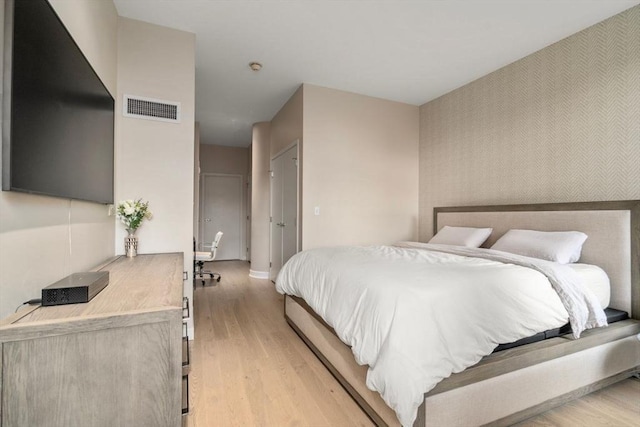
202	257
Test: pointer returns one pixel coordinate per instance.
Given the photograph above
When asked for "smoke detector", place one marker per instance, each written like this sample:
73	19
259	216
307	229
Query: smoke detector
255	66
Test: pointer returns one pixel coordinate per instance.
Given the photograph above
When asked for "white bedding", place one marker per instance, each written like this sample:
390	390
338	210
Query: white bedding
596	280
415	316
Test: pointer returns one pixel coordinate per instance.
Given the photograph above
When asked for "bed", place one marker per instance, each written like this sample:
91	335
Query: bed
514	384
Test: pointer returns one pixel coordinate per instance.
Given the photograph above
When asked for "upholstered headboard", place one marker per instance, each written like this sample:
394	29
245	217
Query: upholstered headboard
613	229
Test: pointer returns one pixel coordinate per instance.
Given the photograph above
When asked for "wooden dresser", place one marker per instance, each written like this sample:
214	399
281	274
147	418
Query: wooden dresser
114	361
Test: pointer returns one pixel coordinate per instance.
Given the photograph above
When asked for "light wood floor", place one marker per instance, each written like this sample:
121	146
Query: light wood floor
250	369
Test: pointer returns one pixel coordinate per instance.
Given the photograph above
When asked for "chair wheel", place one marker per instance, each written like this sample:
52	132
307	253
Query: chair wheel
219	279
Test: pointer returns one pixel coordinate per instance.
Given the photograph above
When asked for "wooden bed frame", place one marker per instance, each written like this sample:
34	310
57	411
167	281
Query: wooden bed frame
515	384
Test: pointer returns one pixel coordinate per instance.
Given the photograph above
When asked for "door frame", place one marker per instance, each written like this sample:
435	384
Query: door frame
242	242
295	143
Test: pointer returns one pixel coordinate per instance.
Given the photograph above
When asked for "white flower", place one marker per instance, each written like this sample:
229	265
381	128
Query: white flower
131	213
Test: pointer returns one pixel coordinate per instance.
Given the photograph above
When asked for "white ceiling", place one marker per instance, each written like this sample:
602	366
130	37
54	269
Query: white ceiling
408	51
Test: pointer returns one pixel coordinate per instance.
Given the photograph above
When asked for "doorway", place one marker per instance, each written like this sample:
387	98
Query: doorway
284	208
221	204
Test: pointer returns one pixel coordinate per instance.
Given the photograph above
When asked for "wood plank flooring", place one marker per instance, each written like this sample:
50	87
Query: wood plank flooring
248	366
250	369
616	405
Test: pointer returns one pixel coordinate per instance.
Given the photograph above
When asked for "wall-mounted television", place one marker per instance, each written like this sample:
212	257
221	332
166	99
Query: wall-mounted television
58	117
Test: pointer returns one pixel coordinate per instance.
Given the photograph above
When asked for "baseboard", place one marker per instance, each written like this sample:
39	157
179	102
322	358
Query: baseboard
259	274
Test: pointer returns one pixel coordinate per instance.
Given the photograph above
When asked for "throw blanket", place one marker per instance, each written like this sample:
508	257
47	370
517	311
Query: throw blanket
415	316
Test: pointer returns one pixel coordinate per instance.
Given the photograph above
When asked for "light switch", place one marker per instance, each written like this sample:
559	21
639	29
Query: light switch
316	210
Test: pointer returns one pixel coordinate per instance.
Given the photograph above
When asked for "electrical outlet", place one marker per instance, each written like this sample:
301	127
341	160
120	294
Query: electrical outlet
316	210
111	211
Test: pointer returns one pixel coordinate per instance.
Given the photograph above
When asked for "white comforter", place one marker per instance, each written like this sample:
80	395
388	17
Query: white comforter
415	316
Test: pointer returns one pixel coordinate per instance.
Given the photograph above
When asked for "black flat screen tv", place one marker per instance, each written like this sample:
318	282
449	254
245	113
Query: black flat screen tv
58	117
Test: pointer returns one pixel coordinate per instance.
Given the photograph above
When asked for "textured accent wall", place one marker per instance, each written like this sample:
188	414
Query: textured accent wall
560	125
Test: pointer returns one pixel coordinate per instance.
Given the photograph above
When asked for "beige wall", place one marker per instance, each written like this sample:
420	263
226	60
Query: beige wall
260	201
93	26
222	159
360	167
196	179
44	239
155	160
286	125
560	125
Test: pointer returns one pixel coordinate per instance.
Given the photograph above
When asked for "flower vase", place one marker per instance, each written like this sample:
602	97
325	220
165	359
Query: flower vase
131	243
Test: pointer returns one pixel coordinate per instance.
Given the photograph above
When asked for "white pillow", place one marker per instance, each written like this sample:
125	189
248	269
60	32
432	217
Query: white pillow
563	247
461	236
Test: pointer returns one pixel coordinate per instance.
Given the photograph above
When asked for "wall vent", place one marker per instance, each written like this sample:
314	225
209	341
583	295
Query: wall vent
151	109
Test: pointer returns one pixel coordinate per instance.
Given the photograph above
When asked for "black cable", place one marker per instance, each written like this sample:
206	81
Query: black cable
30	302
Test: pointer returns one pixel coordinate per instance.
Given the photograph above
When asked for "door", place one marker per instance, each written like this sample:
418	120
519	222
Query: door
247	228
284	208
289	203
221	210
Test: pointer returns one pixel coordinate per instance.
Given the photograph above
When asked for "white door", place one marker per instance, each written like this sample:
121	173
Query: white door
221	210
276	218
247	229
284	209
289	203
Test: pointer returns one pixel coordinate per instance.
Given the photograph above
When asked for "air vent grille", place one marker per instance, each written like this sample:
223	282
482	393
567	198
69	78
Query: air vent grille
151	109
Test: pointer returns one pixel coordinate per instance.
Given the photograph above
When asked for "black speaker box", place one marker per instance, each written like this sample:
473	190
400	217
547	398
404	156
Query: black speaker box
76	288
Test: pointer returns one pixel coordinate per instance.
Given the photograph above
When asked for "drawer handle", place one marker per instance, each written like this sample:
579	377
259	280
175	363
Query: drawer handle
187	307
185	384
185	344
